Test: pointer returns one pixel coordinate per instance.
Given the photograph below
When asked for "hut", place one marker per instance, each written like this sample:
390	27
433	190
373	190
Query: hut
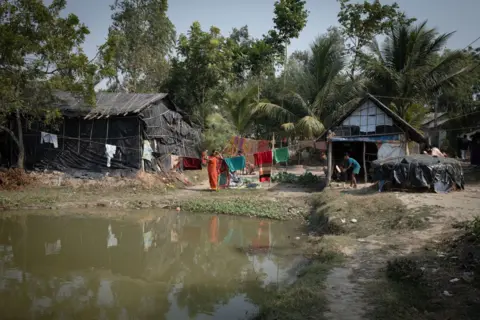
123	132
369	131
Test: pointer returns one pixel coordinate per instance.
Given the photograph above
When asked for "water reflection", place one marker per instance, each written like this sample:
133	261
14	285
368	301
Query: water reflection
170	267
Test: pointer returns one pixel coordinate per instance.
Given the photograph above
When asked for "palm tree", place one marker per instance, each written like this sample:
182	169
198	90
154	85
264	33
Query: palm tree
316	87
241	107
409	69
237	114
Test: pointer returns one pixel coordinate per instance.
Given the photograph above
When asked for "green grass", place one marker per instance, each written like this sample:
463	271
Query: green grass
305	299
375	213
244	206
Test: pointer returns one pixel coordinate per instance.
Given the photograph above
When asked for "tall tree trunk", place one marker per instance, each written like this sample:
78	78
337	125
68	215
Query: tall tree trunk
14	138
21	147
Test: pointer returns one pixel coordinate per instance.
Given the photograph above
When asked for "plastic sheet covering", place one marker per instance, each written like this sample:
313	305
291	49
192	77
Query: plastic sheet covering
420	171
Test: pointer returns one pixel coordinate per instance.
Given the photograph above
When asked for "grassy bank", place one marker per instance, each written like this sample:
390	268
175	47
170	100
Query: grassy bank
441	281
247	203
363	213
304	299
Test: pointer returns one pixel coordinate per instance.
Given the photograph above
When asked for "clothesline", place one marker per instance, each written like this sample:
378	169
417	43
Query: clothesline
290	146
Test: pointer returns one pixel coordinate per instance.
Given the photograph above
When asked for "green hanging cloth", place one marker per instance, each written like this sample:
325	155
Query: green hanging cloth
280	155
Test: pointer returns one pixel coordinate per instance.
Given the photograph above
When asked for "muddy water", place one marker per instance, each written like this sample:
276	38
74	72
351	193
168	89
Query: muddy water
160	266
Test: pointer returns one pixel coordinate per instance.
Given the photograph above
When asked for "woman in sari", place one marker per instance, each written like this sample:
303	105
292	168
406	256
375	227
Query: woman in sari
213	164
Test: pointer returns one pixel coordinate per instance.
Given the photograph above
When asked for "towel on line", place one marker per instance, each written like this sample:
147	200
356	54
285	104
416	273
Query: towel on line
109	153
49	138
235	163
281	155
192	164
263	158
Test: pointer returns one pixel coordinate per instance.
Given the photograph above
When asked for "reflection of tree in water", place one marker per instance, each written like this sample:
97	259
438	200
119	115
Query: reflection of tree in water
214	279
214	274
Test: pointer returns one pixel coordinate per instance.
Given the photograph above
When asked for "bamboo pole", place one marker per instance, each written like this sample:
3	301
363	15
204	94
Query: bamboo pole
365	162
330	162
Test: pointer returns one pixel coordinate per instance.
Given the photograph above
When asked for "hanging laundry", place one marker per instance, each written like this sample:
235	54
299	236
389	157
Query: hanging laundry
224	176
236	163
49	138
265	172
192	164
281	155
110	152
264	161
147	151
171	162
263	158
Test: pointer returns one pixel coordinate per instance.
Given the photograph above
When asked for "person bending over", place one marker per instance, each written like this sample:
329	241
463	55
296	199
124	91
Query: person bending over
355	166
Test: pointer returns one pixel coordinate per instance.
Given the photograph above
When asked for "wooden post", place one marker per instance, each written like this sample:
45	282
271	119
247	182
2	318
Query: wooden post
330	162
140	147
78	142
365	173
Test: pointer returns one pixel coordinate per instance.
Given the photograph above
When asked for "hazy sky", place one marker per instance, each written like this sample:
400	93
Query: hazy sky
447	15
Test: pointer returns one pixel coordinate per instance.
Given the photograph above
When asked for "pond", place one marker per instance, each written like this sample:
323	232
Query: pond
156	265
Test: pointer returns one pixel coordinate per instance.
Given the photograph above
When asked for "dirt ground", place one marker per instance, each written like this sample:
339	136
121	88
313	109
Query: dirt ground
346	286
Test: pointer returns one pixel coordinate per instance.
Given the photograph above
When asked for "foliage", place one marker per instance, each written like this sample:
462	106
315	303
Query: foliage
139	40
361	22
408	67
290	19
304	299
306	179
40	52
217	133
201	70
316	88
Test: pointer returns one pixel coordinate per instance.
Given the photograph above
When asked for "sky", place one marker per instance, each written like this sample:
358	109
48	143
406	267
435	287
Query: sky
446	15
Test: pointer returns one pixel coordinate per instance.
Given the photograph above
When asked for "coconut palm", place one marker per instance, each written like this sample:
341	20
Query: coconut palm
409	69
316	87
241	107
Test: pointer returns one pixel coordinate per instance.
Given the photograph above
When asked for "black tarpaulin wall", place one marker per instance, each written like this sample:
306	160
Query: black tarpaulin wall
168	132
420	171
81	144
120	119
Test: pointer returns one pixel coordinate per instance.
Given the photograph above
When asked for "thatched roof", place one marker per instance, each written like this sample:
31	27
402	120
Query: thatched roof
413	133
108	103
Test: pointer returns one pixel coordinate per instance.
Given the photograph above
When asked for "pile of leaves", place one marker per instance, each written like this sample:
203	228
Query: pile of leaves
14	179
305	179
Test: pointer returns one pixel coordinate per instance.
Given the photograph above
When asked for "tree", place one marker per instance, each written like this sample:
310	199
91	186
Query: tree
361	22
409	70
290	19
201	71
139	40
316	87
39	52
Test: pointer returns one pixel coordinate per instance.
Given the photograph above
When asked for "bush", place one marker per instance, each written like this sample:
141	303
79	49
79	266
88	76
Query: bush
305	179
404	270
13	179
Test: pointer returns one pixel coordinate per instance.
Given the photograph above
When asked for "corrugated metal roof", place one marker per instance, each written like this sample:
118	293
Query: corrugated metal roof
108	103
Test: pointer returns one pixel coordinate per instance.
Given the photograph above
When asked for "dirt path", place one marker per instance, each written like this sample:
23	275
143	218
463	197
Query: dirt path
346	285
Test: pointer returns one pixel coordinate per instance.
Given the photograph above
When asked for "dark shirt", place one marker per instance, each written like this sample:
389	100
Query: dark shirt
465	143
